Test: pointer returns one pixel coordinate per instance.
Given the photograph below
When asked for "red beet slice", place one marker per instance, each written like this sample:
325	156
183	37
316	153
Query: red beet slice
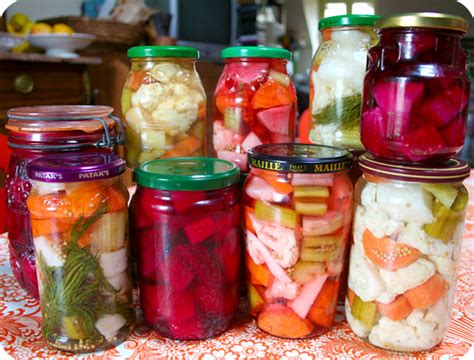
276	119
422	143
191	329
231	299
397	98
183	200
416	44
210	298
177	268
248	71
200	230
454	132
227	255
440	109
149	301
373	132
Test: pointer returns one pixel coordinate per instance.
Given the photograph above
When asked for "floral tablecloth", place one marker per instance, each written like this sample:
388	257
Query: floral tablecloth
20	333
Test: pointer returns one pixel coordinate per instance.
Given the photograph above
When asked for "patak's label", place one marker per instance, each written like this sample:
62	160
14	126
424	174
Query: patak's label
94	175
48	175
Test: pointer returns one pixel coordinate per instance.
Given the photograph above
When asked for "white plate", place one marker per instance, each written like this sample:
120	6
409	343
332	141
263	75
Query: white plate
9	41
61	45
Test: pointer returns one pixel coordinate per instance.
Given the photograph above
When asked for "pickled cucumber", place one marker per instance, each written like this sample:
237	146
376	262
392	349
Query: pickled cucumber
446	194
365	312
445	224
277	214
233	119
316	241
311	191
72	328
461	201
314	209
305	271
324	253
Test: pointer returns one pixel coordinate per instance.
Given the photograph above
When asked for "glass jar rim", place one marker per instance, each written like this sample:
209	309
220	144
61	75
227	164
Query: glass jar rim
423	20
76	167
187	174
453	170
299	158
163	51
348	20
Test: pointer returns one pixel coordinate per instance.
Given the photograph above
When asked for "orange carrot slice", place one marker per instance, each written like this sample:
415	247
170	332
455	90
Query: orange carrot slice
136	79
41	227
48	206
350	296
278	320
388	254
116	198
279	184
397	310
248	223
87	198
258	274
183	148
323	310
428	293
271	94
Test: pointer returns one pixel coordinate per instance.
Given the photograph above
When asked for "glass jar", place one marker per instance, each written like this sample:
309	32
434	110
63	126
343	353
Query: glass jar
416	90
38	131
337	79
79	216
186	227
163	104
298	209
4	158
254	102
408	229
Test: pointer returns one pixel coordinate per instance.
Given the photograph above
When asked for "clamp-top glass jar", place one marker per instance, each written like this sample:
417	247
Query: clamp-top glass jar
163	104
38	131
337	79
416	90
408	231
254	102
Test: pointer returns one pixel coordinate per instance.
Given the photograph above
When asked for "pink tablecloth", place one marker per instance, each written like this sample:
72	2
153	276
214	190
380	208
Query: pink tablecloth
20	333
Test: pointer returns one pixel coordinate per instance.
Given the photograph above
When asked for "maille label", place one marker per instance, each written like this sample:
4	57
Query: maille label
300	167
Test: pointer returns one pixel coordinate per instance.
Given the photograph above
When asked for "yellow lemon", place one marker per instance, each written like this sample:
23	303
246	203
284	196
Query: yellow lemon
41	28
18	21
62	29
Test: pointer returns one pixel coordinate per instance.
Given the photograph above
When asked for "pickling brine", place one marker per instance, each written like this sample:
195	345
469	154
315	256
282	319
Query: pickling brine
163	104
297	223
79	219
408	230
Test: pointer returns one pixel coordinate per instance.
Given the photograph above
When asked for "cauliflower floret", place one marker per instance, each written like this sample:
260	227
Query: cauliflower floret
282	243
338	70
399	335
324	134
368	194
253	249
408	277
386	297
409	203
164	72
148	96
356	325
351	38
445	266
414	236
379	223
439	313
137	119
175	117
279	289
323	96
364	279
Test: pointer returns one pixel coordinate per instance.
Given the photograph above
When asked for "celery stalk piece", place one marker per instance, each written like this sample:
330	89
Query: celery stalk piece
305	271
277	214
445	224
446	194
233	119
317	241
461	201
280	77
153	139
313	209
324	253
366	312
311	191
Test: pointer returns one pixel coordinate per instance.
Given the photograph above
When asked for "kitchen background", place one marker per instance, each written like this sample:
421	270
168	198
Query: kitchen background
28	77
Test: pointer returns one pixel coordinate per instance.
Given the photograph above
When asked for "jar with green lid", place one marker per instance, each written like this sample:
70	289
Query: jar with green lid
163	104
185	220
337	78
408	229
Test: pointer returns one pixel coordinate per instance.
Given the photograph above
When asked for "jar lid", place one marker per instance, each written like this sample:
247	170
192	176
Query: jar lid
299	158
87	118
78	167
256	52
348	20
424	19
187	174
163	51
453	170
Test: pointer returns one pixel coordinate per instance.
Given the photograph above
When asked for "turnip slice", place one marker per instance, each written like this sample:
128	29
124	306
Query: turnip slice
322	225
251	141
309	293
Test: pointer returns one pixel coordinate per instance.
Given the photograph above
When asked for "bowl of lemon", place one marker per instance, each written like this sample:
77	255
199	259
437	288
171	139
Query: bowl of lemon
58	40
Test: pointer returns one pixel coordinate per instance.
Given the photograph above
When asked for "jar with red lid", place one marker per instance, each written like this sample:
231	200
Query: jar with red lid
408	230
185	220
254	102
416	90
298	210
78	208
37	131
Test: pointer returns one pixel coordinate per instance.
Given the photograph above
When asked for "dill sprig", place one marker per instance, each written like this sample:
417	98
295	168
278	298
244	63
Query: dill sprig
345	111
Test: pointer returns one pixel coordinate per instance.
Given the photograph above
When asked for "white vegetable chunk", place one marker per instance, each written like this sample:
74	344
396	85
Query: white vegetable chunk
51	255
409	203
364	279
113	263
120	282
109	325
279	289
414	236
408	277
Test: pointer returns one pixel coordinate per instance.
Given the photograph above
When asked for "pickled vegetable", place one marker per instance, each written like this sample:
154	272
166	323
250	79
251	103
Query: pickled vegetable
273	213
365	312
445	224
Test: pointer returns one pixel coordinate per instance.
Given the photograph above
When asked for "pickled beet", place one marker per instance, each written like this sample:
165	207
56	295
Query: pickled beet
453	132
183	200
200	230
